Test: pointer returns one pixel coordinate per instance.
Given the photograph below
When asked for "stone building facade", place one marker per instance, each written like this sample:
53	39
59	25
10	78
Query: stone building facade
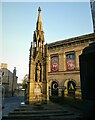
63	65
9	80
54	67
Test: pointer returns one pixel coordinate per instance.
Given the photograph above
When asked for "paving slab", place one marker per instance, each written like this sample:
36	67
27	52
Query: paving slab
50	111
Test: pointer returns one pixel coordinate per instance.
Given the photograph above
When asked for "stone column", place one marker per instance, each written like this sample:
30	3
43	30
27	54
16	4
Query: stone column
42	73
49	64
46	53
77	53
59	91
61	62
32	72
32	82
64	59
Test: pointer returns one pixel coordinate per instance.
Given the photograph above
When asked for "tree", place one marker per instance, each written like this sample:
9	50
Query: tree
25	80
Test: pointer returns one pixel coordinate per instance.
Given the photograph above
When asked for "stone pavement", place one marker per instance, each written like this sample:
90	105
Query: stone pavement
10	104
14	110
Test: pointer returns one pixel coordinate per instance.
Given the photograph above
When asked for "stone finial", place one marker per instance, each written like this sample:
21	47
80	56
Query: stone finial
39	9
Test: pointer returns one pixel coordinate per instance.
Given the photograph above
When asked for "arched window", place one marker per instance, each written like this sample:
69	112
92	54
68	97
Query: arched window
70	61
54	63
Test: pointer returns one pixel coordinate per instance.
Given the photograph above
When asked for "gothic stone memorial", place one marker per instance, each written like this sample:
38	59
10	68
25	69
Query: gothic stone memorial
37	86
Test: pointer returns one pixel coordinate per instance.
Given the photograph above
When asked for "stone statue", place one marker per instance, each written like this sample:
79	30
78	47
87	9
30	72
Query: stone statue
38	72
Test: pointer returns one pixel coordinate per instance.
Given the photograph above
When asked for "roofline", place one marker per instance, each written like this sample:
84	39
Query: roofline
74	39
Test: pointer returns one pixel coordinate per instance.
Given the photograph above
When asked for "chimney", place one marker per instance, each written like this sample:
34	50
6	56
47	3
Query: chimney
4	65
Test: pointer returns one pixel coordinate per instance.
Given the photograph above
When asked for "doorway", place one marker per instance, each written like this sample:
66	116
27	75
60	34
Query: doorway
71	86
54	88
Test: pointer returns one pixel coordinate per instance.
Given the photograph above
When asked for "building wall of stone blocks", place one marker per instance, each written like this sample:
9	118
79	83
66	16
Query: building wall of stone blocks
61	48
8	82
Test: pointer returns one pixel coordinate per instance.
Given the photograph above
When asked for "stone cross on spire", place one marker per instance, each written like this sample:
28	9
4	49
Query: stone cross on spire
39	9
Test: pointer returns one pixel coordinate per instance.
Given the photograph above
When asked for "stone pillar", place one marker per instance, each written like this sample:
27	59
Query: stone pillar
48	91
31	82
61	61
42	73
32	72
59	91
77	53
49	64
64	59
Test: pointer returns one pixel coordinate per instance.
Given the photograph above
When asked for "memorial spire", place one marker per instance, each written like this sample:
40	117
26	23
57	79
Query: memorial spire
39	21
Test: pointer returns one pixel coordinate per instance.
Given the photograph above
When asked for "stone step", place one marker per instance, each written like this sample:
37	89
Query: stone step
42	118
43	112
18	111
36	108
45	119
37	112
41	115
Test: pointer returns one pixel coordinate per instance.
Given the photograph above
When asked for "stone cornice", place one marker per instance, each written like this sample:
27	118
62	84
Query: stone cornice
64	72
70	41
